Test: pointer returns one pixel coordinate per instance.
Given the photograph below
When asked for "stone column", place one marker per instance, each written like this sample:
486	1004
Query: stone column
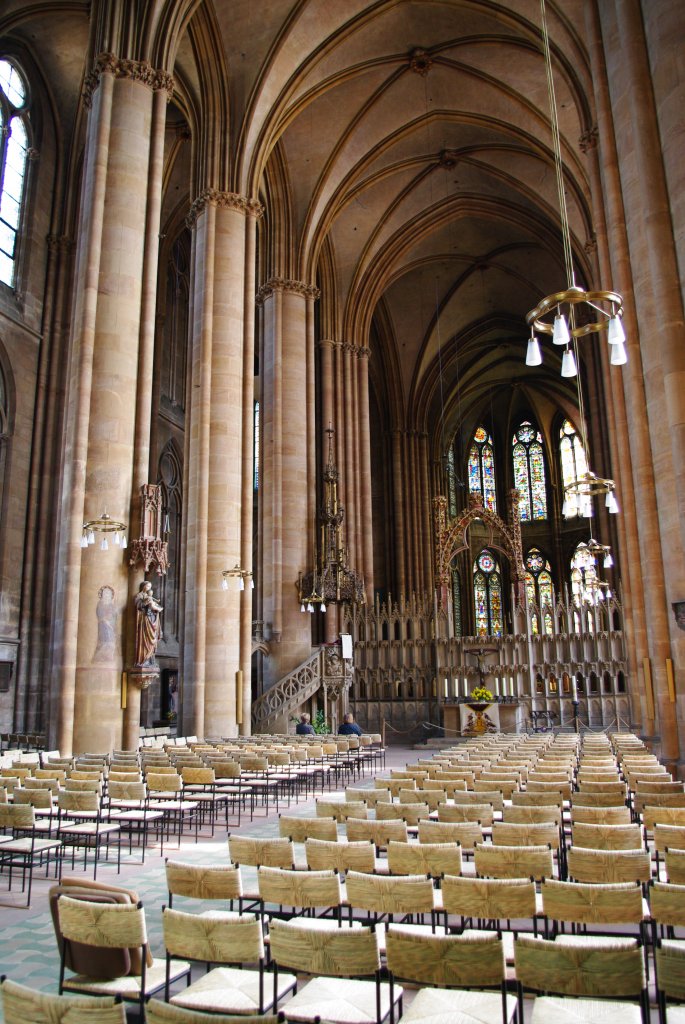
93	584
363	355
398	494
327	349
215	478
285	483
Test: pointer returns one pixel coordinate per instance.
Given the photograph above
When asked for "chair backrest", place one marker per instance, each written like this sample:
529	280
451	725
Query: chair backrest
582	798
670	969
396	894
379	832
323	854
21	1004
337	952
83	785
489	898
533	815
50	784
203	881
341	810
102	925
667	903
124	777
168	782
523	798
78	800
17	816
214	939
196	776
127	791
465	833
508	833
370	797
306	889
435	859
675	866
601	815
437	960
411	813
254	851
41	798
488	796
300	829
585	865
483	813
585	969
653	816
582	903
607	837
514	861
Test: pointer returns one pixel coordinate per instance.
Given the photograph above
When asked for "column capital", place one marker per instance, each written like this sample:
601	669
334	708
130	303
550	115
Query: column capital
328	343
223	201
589	139
363	352
120	67
282	284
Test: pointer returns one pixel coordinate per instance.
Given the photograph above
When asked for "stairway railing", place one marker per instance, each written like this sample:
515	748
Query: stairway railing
289	693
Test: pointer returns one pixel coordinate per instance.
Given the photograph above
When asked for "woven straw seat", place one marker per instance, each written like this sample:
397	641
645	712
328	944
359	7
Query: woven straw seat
514	861
230	942
490	899
25	848
480	812
157	1012
341	957
300	829
607	837
322	854
553	1010
435	859
411	813
600	815
21	1004
585	865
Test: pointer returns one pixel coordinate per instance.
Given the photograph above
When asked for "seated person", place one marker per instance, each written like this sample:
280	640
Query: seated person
349	727
304	726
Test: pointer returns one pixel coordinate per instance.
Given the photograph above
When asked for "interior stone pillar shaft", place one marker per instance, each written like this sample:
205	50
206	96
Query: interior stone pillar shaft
102	398
658	306
213	614
366	567
327	349
285	482
398	495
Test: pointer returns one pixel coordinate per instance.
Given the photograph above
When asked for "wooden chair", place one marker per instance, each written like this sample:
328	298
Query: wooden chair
322	854
25	849
21	1005
514	861
586	972
593	908
233	943
342	960
434	859
451	970
114	927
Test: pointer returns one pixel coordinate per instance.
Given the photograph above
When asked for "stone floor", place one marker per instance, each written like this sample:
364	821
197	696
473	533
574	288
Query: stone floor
28	950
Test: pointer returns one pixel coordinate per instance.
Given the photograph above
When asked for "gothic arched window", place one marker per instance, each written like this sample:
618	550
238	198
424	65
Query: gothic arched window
481	468
14	145
529	472
539	589
487	593
573	464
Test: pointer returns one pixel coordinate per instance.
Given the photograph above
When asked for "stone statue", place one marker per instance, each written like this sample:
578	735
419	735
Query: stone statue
148	626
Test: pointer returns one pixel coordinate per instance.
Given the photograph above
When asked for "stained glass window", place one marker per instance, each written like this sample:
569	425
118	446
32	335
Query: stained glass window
481	468
529	472
13	155
539	589
573	463
487	593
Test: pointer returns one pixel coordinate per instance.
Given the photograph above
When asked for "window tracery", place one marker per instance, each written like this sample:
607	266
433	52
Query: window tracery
529	472
539	590
481	468
487	592
14	147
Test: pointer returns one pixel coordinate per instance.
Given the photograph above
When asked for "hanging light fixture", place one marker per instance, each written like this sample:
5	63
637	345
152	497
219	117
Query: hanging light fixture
572	314
105	526
243	578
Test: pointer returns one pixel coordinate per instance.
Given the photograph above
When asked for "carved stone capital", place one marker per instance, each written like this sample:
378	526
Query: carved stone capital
223	201
283	284
364	352
588	140
135	70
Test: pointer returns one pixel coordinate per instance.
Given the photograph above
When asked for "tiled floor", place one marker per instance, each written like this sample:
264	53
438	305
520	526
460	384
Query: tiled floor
28	951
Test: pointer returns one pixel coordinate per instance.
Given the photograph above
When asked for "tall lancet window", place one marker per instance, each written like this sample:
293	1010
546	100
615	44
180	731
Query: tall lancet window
573	464
481	468
529	472
539	590
487	594
14	145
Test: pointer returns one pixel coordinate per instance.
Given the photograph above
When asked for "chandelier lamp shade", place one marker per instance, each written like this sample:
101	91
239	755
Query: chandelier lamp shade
603	551
106	527
243	578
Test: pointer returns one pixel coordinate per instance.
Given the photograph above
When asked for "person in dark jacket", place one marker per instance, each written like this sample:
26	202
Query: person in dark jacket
349	727
304	726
